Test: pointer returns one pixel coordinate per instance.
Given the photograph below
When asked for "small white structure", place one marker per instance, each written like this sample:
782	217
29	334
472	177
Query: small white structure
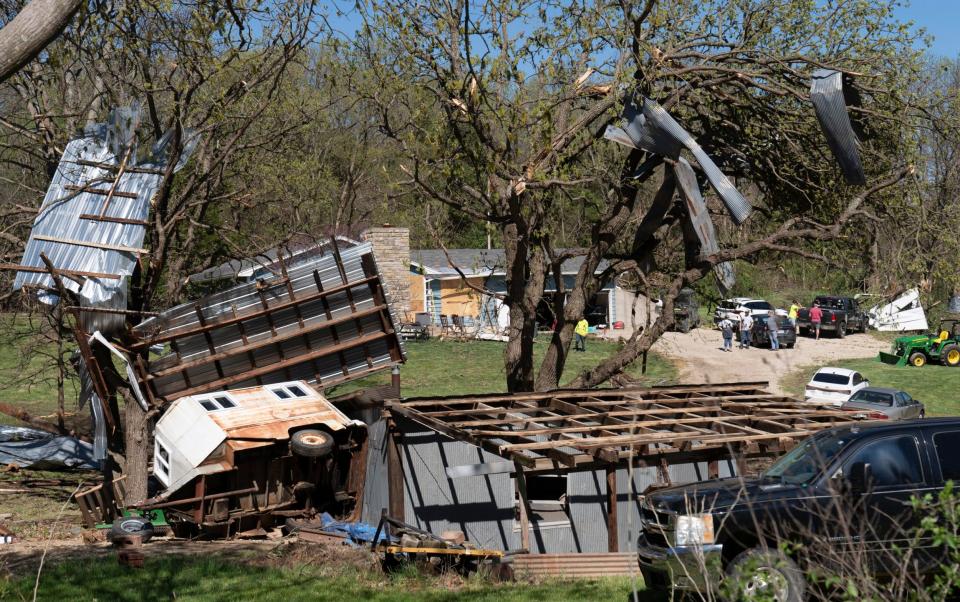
202	434
902	314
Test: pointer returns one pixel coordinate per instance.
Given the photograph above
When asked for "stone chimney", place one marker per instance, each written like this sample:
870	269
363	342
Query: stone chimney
391	247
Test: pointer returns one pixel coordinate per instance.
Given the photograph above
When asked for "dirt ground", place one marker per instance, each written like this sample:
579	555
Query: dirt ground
700	358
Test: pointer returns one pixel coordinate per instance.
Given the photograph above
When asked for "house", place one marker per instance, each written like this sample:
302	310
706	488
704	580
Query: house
457	282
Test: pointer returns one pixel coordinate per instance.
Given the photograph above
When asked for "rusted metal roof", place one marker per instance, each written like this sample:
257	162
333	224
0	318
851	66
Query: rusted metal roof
325	321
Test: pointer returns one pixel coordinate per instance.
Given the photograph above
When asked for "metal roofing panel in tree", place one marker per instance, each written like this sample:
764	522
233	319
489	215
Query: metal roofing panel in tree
325	321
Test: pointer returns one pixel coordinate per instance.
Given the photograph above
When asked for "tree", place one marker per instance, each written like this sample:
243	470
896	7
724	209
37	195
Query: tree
38	24
497	109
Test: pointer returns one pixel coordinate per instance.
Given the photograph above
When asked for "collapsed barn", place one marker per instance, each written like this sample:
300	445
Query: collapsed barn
564	471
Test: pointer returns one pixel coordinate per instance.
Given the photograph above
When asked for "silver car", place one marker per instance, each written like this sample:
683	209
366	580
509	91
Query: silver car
881	403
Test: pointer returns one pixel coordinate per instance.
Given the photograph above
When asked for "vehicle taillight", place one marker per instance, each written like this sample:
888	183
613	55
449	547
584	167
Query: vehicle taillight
877	416
833	317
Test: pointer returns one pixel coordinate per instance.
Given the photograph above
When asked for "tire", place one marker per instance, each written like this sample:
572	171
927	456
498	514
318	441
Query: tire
923	414
804	332
311	443
950	355
759	574
917	359
132	525
841	330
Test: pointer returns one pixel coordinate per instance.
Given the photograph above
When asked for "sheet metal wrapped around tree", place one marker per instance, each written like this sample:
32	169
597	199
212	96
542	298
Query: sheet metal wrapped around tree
826	92
325	321
93	219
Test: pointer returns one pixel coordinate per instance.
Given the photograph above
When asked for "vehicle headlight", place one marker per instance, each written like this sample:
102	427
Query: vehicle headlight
694	529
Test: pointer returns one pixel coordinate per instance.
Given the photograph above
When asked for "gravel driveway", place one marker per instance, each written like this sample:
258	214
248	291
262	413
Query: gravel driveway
700	358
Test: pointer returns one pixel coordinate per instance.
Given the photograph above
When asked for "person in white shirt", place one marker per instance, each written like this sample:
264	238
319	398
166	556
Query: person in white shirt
746	330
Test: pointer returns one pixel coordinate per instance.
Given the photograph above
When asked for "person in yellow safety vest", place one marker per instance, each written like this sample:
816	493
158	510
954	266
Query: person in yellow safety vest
793	313
581	330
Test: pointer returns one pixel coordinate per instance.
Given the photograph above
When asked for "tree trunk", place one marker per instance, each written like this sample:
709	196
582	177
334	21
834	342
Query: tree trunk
136	432
38	24
526	267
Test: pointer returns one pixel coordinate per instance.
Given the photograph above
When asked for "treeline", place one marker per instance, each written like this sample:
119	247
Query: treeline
465	119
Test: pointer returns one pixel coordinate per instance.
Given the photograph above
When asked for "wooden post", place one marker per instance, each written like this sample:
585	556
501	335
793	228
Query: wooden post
395	489
524	506
395	380
613	543
643	366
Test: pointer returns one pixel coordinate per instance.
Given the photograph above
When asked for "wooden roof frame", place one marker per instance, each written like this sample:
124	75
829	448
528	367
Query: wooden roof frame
570	430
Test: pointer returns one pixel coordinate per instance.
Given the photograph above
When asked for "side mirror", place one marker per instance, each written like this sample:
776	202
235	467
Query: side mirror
859	478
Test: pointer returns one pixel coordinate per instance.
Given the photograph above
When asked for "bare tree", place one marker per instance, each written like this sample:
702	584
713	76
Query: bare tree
497	110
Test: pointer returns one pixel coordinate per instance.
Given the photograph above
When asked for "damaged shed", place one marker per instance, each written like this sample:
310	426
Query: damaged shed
561	471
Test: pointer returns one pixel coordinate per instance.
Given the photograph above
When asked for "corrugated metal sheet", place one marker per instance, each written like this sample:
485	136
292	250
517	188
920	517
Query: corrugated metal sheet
826	93
92	162
654	130
575	566
701	222
328	321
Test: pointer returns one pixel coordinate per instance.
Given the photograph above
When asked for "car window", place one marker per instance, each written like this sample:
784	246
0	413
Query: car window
758	305
857	379
948	453
875	397
893	461
832	379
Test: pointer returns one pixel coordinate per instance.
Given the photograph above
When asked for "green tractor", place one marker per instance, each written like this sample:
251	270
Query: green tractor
917	350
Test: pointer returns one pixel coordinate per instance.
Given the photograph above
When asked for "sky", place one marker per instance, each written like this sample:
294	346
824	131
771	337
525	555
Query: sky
941	19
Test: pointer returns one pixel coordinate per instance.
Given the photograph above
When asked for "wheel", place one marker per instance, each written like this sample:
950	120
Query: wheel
311	443
841	330
804	332
917	359
923	414
759	574
950	355
790	345
132	525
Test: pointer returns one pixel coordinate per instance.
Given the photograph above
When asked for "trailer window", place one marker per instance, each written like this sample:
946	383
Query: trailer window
297	391
162	460
288	391
220	401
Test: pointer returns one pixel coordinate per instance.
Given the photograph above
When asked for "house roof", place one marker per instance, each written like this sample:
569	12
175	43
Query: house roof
475	262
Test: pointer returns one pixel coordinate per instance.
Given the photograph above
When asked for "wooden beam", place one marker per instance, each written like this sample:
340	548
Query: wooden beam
95	245
395	478
521	480
38	270
114	220
87	189
613	544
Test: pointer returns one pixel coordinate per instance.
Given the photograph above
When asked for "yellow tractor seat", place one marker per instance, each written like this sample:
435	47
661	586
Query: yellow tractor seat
944	335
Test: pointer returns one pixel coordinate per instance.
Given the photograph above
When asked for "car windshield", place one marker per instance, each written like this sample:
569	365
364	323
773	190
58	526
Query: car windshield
831	379
804	462
758	305
874	397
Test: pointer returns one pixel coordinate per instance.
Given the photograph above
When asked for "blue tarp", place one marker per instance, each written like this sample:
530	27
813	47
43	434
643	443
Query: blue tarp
30	448
356	532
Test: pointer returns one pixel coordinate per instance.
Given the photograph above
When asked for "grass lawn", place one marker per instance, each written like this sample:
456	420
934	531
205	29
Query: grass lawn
938	387
210	578
437	367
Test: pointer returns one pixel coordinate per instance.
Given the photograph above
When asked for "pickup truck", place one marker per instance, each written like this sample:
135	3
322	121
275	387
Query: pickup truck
840	316
841	498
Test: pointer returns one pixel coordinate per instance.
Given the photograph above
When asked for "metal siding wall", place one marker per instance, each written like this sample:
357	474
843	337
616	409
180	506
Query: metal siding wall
481	507
375	492
437	300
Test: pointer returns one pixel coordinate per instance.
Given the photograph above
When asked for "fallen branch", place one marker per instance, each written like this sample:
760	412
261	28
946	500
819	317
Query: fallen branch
24	416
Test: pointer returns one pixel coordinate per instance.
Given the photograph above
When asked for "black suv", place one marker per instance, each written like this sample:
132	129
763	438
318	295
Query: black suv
846	490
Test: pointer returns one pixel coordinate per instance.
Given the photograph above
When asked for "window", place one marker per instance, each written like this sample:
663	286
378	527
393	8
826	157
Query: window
830	378
547	497
948	454
289	391
875	397
893	462
161	461
857	378
217	401
758	305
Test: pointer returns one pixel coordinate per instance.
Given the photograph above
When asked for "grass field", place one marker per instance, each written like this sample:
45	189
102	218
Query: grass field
206	578
938	387
460	367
